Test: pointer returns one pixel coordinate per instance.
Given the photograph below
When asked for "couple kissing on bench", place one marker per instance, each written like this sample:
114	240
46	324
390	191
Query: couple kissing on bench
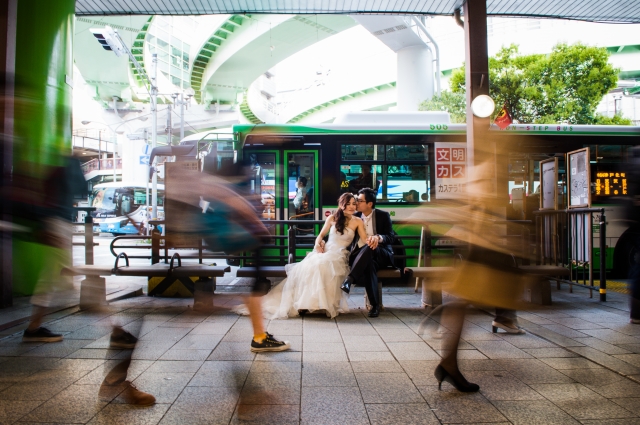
360	239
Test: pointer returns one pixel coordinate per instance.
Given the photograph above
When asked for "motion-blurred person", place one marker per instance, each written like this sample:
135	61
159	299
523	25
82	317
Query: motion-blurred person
229	224
487	277
50	211
633	214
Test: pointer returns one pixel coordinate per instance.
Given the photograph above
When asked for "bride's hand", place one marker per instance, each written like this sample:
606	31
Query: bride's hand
319	247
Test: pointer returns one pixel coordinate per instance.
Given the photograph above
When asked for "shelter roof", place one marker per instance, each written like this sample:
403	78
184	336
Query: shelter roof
618	11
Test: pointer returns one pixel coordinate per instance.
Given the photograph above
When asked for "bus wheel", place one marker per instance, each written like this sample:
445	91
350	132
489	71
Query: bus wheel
627	248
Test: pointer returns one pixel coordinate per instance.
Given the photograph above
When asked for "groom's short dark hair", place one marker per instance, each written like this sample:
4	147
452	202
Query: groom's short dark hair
369	195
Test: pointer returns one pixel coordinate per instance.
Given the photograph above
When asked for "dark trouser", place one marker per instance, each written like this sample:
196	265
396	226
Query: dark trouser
506	316
634	296
364	268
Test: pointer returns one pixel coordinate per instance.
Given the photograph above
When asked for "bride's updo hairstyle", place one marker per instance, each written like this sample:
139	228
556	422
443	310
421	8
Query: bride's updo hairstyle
338	217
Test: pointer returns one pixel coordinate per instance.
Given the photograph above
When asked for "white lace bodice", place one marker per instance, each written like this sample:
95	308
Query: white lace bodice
339	241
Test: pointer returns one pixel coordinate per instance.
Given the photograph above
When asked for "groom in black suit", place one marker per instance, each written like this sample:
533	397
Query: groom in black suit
372	254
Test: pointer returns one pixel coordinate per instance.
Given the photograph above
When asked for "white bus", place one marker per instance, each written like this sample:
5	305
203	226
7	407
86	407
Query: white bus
119	204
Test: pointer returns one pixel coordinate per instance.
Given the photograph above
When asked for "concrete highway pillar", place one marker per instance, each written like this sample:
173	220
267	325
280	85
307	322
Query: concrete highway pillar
415	77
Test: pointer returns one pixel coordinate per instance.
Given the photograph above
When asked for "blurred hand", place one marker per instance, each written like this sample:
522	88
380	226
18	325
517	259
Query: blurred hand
320	247
372	241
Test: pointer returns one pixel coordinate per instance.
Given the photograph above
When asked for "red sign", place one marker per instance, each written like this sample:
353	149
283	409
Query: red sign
443	154
458	171
458	155
443	171
327	213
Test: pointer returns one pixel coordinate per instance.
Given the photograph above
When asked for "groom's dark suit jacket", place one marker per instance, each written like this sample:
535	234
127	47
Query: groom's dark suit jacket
381	222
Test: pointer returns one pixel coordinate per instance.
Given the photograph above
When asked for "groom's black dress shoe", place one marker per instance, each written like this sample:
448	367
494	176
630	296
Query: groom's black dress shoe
346	285
375	311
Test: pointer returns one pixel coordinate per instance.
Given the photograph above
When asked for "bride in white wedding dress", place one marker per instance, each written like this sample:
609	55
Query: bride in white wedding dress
314	283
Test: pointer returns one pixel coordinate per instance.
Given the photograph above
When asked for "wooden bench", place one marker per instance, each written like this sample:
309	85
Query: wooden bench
93	288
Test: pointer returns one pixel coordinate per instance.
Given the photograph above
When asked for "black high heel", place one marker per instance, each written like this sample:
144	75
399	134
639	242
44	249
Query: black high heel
457	380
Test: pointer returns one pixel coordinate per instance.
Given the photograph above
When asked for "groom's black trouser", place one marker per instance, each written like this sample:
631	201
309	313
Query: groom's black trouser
364	268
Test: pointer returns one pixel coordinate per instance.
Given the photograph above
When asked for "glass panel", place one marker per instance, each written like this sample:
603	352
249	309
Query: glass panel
264	182
407	153
300	185
407	183
363	152
358	176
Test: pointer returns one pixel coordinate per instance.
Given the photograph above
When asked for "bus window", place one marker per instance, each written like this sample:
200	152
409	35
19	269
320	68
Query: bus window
359	176
407	153
362	152
407	183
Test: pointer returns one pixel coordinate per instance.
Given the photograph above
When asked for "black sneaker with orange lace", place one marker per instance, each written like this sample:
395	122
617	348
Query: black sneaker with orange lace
270	343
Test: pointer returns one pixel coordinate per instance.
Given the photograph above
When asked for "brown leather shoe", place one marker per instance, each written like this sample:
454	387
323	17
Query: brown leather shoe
133	395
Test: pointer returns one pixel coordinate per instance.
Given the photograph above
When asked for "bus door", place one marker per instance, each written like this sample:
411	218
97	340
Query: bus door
265	174
301	185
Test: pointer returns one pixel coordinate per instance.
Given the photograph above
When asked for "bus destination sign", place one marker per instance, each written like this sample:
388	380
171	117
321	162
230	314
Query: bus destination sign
611	183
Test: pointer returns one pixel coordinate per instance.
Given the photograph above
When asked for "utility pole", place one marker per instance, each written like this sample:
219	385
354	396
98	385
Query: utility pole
154	133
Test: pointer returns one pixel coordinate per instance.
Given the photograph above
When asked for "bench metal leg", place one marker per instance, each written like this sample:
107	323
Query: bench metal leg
431	294
93	293
203	294
538	291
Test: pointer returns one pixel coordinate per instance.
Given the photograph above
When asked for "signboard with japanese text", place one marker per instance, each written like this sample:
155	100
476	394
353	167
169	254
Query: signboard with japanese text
451	170
578	179
549	184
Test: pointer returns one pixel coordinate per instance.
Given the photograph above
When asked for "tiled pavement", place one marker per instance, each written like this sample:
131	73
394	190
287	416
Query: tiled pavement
578	363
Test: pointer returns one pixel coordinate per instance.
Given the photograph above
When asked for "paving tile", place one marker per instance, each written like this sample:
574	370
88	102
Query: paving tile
576	323
282	356
323	347
165	386
483	364
96	376
376	366
634	348
421	372
387	388
571	363
199	341
542	353
94	353
332	405
75	404
398	335
312	356
42	385
365	343
499	350
564	331
622	388
534	371
534	412
600	345
285	393
58	349
392	414
371	356
116	414
633	359
560	340
328	374
580	402
629	403
498	385
202	406
627	421
232	351
192	354
271	415
451	406
412	351
591	377
607	361
12	410
322	336
221	374
180	366
528	341
612	337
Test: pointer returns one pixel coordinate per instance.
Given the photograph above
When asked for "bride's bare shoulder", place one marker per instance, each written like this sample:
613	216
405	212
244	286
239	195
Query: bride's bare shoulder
356	219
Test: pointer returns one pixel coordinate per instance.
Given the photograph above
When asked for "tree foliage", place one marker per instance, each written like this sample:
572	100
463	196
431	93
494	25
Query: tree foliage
563	86
452	102
614	120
